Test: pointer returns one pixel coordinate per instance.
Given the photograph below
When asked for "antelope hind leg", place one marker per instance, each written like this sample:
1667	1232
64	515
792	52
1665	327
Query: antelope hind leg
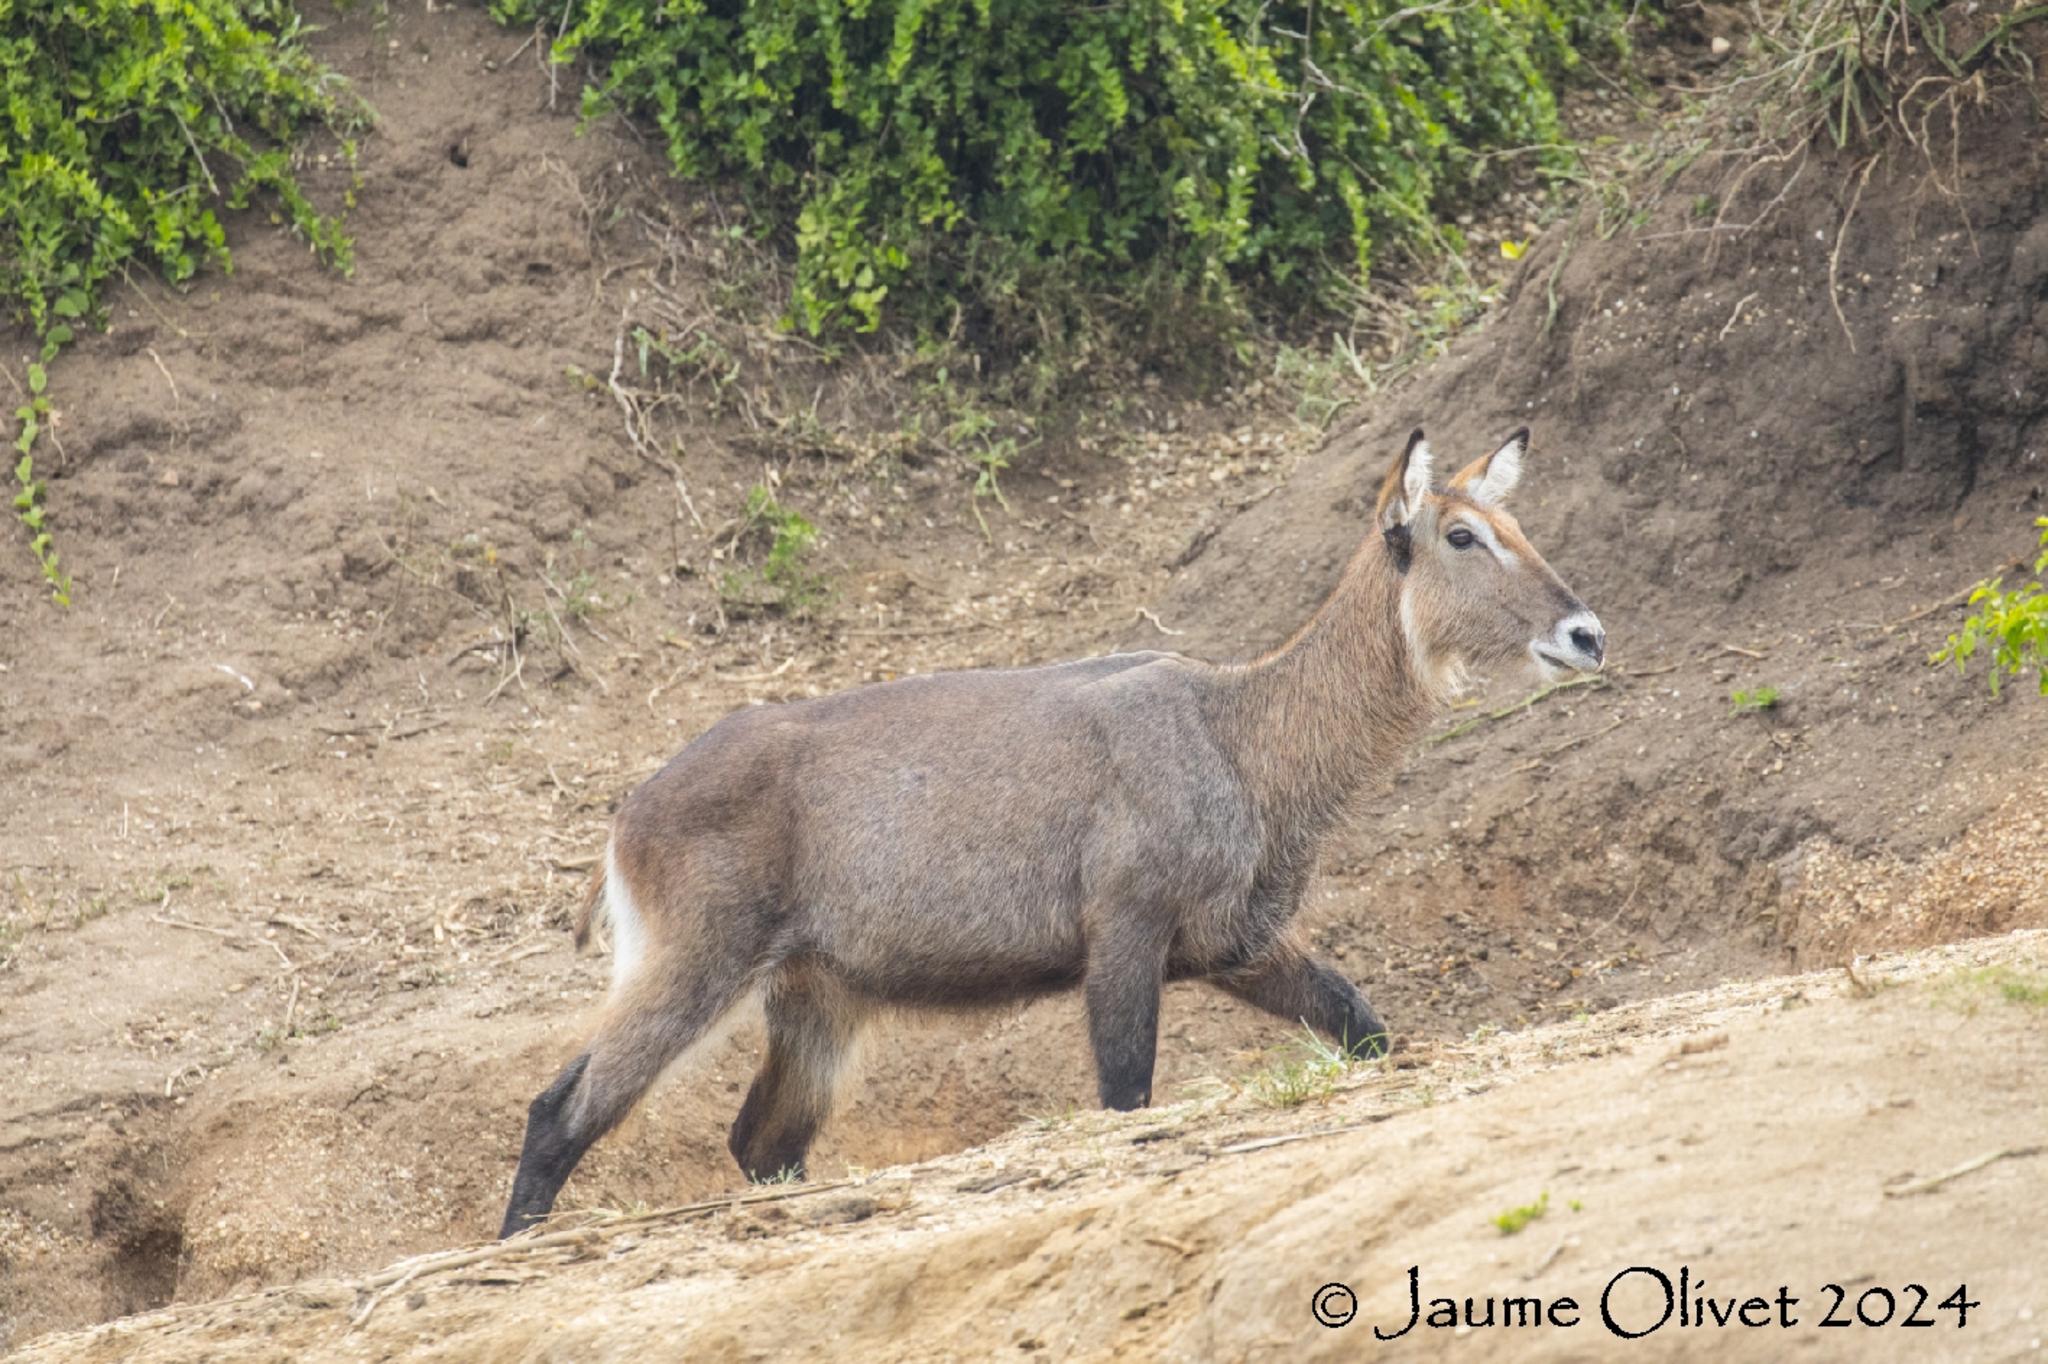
812	1023
638	1039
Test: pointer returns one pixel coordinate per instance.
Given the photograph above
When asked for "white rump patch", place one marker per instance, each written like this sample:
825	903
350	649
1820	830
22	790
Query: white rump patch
629	930
1503	472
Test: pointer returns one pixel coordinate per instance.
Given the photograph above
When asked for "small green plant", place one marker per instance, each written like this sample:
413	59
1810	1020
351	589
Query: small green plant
2015	988
1514	1219
989	462
1323	384
781	582
1753	701
704	357
579	595
1311	1074
2013	625
1966	990
28	501
1053	1122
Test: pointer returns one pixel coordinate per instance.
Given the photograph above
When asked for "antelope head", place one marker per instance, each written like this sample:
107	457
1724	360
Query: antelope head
1475	594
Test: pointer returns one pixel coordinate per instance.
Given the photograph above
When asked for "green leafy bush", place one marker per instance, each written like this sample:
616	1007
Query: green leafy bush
124	126
127	123
2013	625
938	154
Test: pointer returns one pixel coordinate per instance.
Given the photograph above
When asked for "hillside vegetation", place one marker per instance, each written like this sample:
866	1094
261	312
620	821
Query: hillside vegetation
1007	158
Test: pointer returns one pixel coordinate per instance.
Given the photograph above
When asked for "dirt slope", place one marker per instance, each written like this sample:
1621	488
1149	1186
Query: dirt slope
381	612
1664	1135
1751	492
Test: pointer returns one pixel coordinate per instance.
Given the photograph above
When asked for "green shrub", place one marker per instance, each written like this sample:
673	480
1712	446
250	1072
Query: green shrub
128	123
2013	625
124	125
986	155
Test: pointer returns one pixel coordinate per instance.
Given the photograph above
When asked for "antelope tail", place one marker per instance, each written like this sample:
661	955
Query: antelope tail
593	895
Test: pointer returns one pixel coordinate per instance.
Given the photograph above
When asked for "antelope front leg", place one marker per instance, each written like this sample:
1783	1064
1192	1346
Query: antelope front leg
1126	969
1308	990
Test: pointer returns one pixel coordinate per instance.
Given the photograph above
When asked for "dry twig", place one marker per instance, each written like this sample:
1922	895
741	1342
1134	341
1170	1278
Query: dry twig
1835	256
1146	613
383	1285
1920	1186
1592	680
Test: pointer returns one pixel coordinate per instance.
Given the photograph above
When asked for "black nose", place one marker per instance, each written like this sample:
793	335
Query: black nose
1589	643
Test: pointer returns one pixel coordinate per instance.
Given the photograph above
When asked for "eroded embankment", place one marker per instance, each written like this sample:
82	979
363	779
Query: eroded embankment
1869	1131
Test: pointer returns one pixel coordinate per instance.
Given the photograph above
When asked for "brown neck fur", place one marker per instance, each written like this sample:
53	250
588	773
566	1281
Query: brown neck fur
1334	706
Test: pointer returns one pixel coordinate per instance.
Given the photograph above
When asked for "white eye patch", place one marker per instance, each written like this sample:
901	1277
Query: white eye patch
1485	535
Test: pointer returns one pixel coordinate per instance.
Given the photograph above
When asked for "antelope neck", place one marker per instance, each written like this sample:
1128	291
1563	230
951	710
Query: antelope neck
1335	705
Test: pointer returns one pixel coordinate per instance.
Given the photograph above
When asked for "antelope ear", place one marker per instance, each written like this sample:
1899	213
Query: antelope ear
1490	478
1405	485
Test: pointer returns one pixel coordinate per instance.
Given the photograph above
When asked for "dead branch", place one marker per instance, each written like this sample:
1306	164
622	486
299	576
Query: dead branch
1596	680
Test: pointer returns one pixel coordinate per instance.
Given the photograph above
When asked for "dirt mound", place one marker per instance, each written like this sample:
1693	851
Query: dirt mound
382	611
1206	1229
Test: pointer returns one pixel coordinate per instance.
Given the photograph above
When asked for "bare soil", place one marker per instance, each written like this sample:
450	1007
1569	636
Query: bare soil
382	610
1766	1139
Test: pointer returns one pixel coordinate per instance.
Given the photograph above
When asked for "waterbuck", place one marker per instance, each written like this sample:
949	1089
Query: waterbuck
972	838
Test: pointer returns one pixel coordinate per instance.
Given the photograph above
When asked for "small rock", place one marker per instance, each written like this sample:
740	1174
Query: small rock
852	1208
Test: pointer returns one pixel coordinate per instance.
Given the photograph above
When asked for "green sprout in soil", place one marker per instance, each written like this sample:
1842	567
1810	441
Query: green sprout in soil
1753	701
781	582
1514	1219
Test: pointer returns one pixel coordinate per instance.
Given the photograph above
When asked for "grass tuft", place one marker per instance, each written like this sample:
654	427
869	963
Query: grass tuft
1311	1074
1753	701
1514	1220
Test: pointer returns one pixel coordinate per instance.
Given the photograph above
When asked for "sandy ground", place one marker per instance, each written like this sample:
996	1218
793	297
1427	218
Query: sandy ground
1879	1134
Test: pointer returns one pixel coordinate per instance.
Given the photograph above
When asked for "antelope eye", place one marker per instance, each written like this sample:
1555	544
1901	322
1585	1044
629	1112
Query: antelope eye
1461	538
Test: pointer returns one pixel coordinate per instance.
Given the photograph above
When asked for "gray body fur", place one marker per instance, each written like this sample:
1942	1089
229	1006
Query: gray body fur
972	838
